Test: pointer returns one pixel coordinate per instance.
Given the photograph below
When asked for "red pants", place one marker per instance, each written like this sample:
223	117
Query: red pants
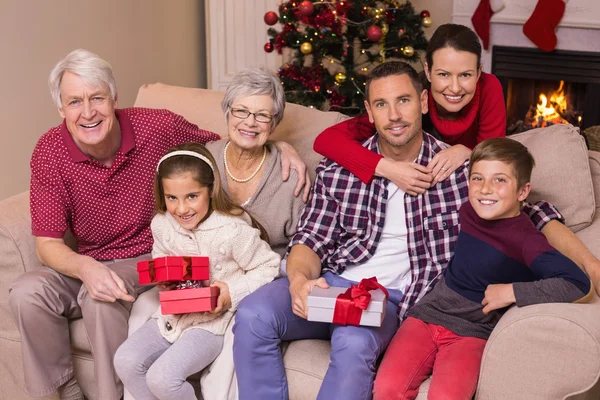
420	349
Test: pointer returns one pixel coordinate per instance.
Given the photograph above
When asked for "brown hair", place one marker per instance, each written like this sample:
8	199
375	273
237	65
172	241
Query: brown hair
390	68
508	151
454	36
203	174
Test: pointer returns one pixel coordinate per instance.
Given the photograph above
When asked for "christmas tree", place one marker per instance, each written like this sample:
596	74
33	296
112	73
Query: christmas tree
333	44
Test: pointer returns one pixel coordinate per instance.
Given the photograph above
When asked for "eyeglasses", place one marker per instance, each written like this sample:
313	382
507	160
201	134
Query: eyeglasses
258	117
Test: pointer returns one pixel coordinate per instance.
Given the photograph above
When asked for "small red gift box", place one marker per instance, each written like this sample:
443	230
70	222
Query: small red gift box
173	268
185	301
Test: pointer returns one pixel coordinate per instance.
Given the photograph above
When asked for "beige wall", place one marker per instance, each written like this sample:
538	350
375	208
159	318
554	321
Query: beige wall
144	40
440	10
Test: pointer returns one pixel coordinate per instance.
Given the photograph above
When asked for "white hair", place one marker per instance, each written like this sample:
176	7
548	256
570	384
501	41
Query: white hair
256	81
93	70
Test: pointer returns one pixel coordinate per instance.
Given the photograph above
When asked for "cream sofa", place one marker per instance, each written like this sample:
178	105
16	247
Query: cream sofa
541	352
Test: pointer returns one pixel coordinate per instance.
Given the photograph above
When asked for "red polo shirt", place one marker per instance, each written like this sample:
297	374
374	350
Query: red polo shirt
108	209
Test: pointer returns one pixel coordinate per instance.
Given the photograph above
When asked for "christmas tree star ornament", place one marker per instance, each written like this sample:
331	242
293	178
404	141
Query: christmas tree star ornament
482	16
541	26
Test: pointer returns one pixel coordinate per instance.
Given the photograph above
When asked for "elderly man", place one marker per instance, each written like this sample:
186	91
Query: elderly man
352	230
92	175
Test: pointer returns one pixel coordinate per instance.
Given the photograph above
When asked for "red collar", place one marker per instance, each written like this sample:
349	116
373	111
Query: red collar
127	137
452	129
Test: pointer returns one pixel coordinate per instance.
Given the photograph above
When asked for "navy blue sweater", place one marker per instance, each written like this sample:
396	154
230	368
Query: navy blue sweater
509	250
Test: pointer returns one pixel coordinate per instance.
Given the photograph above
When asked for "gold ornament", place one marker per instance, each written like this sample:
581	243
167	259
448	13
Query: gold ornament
306	48
385	29
408	51
427	22
340	77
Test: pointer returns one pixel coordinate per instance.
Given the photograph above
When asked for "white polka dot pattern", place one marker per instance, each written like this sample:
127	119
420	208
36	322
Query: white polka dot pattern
108	209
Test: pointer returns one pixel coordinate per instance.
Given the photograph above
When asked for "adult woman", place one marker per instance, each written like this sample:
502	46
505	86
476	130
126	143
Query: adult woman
466	106
253	105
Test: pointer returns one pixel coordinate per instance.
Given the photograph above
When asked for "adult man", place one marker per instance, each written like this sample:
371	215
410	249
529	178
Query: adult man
92	175
351	230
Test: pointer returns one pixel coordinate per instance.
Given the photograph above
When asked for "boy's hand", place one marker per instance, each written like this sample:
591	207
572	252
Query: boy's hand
224	300
498	296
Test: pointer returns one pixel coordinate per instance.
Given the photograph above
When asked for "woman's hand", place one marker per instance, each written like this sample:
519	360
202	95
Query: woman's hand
224	300
498	296
447	161
411	177
290	159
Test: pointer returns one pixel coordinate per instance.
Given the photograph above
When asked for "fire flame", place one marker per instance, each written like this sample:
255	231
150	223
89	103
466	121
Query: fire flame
550	112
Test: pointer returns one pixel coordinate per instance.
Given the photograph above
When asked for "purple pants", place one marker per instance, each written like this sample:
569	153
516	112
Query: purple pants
264	319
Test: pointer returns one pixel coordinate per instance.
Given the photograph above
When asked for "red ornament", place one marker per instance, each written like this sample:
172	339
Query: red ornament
306	8
269	47
425	14
271	18
374	33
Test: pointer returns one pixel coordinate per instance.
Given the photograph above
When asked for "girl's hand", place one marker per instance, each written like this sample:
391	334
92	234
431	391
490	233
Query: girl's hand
447	161
498	296
224	300
166	286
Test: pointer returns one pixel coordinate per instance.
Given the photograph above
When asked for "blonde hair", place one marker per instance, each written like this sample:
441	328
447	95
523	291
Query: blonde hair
202	172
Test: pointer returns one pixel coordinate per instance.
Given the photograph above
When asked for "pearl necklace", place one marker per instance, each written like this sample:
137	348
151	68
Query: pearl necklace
233	178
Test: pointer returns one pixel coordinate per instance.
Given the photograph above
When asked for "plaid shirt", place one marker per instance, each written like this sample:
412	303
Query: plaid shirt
344	219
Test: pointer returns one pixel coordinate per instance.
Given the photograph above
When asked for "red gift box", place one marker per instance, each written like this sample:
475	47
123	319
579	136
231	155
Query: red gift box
173	268
185	301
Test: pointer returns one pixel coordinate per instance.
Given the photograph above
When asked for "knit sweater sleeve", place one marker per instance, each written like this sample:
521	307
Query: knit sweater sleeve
560	280
255	257
341	143
492	113
159	227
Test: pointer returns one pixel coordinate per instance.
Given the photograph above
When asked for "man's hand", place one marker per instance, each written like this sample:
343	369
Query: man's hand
447	161
411	177
290	159
299	291
102	283
498	296
224	300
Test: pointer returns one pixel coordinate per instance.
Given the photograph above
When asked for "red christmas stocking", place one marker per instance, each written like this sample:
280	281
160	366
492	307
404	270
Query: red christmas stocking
540	27
481	18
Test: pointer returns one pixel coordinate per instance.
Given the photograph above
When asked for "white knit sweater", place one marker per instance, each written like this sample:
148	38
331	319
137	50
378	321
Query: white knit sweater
237	257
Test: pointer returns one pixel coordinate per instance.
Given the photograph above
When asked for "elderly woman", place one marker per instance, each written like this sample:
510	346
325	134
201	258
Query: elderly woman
253	105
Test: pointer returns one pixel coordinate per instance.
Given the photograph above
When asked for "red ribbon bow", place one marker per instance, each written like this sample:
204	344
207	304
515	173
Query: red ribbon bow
350	304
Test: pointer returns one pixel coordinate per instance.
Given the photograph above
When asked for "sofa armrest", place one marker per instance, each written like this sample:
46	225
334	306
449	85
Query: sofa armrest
545	351
17	253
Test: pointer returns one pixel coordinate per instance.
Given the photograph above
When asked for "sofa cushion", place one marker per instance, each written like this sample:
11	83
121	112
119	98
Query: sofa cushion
299	127
562	173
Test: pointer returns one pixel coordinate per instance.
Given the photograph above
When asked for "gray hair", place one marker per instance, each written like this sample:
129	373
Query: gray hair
255	81
88	66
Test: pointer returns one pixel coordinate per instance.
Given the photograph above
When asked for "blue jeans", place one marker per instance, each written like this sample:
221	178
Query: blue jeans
264	319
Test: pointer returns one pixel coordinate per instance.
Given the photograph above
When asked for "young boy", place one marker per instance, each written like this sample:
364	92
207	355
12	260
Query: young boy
500	259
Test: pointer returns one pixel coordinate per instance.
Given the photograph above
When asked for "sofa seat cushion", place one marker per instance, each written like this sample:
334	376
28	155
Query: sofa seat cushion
79	339
306	362
562	174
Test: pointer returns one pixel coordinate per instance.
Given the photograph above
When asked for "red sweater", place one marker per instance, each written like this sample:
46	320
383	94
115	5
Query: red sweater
483	118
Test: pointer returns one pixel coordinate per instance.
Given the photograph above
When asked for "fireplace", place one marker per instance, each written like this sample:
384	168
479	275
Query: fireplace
543	88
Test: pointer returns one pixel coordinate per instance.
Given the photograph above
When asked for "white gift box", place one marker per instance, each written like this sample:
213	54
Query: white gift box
321	306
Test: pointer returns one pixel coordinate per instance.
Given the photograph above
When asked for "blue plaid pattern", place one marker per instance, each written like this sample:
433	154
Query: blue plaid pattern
343	221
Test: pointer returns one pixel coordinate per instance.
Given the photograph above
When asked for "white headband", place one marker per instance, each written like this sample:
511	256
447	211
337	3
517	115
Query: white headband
185	153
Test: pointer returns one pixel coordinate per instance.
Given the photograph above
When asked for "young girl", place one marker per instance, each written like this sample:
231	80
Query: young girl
466	106
194	218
